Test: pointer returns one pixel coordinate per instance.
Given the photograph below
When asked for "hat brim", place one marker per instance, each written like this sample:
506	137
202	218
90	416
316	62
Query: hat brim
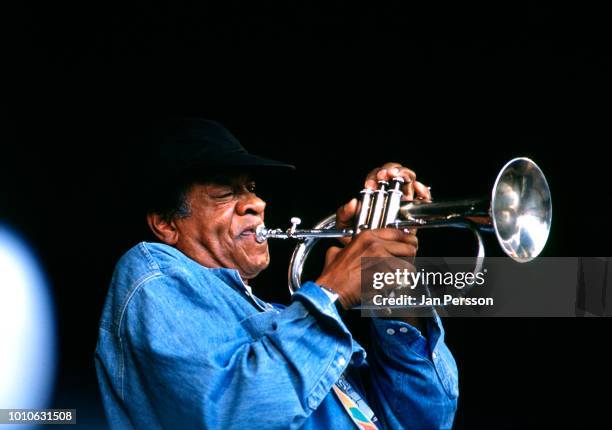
250	161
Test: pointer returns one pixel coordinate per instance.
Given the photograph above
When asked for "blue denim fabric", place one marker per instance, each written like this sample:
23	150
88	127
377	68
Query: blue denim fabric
184	346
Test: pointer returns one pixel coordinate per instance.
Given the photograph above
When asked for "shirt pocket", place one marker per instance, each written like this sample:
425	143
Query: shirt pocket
259	324
447	371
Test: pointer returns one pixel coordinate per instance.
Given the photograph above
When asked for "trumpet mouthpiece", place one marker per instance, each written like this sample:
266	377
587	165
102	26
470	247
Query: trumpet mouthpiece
261	233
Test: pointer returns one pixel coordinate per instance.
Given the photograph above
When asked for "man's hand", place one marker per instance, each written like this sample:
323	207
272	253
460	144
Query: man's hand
345	215
342	271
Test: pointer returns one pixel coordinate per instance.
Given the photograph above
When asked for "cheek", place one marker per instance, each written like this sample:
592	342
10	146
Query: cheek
215	236
218	224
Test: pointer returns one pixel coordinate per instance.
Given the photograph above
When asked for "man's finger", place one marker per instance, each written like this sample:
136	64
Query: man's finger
345	217
403	172
345	214
399	249
378	238
389	171
331	254
422	191
372	178
392	234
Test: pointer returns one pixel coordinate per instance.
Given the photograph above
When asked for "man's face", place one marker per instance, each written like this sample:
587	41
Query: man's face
220	232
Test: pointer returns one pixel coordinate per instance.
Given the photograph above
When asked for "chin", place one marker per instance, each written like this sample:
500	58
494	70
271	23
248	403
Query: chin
255	268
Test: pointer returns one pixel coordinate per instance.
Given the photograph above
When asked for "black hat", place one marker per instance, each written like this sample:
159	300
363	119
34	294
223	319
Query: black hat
194	143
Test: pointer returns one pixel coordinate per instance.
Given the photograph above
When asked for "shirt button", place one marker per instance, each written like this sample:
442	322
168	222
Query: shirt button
390	331
312	403
404	329
434	355
341	361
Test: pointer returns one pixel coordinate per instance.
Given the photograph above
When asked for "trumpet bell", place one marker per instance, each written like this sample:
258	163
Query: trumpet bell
521	209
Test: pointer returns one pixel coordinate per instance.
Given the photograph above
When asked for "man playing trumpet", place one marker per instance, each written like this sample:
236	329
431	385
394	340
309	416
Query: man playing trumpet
184	341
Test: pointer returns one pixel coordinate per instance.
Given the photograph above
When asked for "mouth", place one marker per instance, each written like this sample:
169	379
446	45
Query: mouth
249	231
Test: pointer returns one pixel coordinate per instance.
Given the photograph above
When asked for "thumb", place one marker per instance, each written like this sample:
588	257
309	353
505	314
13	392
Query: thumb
331	254
345	214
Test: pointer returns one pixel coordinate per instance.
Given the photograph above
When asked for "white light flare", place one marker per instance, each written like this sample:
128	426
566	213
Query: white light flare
27	328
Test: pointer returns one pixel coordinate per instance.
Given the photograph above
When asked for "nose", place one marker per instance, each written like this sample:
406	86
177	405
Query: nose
250	204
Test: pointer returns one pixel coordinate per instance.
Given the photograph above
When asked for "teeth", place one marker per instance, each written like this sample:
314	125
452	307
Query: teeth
249	231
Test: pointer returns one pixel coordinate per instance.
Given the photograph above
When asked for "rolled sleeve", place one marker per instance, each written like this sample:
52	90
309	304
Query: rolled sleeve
316	300
313	298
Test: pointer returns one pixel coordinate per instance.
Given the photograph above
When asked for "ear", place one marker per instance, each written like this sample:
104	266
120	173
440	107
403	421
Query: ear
165	230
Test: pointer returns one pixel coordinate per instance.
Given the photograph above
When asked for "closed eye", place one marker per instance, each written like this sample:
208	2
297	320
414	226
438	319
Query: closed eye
225	195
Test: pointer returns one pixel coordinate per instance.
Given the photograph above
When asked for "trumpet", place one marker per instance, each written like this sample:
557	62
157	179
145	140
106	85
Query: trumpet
518	211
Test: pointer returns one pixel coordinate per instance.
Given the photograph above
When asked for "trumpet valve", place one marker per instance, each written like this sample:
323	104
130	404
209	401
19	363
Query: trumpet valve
295	221
394	199
364	210
378	206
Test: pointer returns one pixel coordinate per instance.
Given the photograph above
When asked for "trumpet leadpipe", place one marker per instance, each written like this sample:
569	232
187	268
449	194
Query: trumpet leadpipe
262	233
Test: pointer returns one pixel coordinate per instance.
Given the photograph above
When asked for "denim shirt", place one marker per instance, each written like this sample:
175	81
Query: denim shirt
184	346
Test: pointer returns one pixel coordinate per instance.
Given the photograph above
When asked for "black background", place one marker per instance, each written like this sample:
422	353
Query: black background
452	91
